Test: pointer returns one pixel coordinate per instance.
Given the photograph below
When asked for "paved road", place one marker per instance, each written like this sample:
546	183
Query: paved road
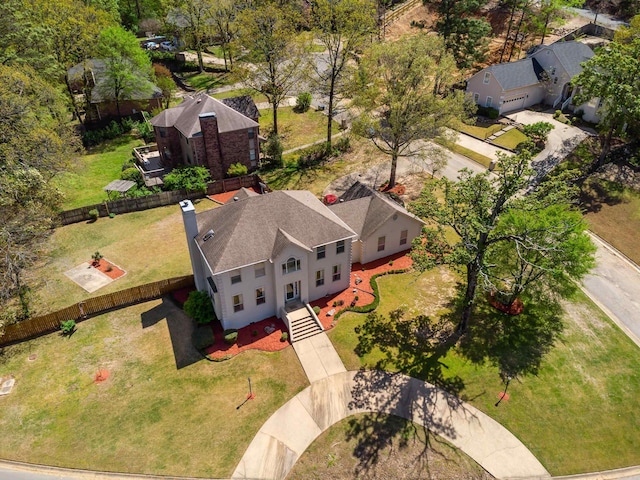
615	286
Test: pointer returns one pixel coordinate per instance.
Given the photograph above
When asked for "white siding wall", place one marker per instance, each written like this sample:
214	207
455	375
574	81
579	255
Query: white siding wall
391	230
280	280
331	258
493	89
520	98
356	251
558	76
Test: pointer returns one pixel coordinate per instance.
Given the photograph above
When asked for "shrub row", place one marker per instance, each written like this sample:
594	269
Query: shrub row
114	130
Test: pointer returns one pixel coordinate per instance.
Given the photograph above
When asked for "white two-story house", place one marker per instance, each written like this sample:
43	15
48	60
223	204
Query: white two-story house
258	255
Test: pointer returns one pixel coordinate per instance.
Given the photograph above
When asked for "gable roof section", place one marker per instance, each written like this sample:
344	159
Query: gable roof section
243	104
366	210
257	228
241	194
570	54
514	75
186	116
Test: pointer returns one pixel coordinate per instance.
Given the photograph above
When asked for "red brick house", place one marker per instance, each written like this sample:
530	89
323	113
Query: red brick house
204	131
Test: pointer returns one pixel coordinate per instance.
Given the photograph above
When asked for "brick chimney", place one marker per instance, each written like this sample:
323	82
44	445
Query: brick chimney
213	152
191	230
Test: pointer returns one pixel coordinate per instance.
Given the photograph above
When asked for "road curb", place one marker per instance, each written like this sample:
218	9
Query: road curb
604	475
614	250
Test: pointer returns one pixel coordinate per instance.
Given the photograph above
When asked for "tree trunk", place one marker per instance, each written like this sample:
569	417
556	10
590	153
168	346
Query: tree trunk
394	165
544	30
76	110
330	112
200	62
517	33
274	105
506	40
605	147
469	297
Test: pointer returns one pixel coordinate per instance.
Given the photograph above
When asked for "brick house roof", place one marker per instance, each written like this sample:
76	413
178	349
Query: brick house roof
186	116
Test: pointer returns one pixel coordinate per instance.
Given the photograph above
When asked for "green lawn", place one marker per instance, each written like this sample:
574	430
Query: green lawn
297	129
575	415
257	97
383	446
83	184
208	80
511	139
479	131
149	416
149	245
613	213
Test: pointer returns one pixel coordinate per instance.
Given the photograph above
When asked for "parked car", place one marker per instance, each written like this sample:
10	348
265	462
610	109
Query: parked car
152	46
167	46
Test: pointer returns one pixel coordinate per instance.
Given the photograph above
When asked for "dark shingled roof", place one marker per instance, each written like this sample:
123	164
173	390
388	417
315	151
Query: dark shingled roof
242	193
243	104
257	228
570	54
186	116
366	210
514	74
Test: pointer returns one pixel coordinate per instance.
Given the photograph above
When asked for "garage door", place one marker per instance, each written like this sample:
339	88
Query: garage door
515	103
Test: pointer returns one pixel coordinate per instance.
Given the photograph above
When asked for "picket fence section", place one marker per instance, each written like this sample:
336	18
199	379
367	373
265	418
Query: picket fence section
37	326
161	199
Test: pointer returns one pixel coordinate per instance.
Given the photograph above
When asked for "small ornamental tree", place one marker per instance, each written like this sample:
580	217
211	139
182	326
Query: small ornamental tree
191	179
538	132
198	306
303	102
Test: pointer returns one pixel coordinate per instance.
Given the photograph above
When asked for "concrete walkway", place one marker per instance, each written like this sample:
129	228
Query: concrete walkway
318	357
291	429
479	146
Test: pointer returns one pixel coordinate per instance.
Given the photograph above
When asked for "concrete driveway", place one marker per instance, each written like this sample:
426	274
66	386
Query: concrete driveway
560	142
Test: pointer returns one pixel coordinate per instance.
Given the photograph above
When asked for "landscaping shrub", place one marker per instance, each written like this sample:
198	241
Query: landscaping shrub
134	175
113	130
316	310
191	179
96	257
343	144
94	214
131	163
203	337
230	336
303	102
67	327
199	307
237	170
145	130
488	112
284	337
273	149
112	215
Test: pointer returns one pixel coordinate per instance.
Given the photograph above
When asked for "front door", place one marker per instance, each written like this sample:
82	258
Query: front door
291	291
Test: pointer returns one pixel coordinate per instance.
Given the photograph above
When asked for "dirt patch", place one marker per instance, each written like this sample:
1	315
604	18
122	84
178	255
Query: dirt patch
110	269
425	15
101	376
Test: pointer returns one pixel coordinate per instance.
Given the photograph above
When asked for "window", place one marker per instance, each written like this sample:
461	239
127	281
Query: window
260	272
260	296
163	132
553	70
403	237
238	306
340	247
319	278
321	252
381	241
487	77
489	102
236	277
292	265
476	97
251	133
252	155
555	80
336	272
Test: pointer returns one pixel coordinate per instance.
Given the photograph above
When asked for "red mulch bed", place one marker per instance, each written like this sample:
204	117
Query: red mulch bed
111	270
398	189
516	308
401	261
226	196
101	376
247	341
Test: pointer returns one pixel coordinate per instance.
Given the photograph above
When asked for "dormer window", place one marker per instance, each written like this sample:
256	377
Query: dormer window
487	77
321	252
292	265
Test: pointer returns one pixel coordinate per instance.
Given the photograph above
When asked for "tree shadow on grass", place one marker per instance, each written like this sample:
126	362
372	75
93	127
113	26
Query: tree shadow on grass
181	329
596	192
415	347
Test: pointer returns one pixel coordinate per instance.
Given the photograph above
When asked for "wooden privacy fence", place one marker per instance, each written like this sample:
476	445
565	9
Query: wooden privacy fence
392	14
37	326
161	199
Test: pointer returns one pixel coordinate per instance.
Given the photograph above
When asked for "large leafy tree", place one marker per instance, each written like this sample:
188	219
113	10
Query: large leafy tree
550	11
403	89
342	27
613	76
279	55
504	241
127	67
465	34
225	28
193	17
627	34
35	143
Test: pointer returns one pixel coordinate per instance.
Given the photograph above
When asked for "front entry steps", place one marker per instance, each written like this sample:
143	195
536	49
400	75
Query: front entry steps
302	324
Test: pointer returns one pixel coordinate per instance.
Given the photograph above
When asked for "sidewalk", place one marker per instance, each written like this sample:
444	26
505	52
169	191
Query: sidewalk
286	435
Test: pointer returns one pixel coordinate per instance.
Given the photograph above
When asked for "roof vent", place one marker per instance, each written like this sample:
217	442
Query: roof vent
235	199
199	100
208	235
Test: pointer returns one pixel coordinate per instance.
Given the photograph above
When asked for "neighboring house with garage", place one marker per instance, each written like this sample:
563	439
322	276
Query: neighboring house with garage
383	227
205	131
259	256
543	77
